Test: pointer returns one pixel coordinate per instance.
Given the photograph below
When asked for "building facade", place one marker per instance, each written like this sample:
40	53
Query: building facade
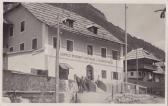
86	49
159	74
141	65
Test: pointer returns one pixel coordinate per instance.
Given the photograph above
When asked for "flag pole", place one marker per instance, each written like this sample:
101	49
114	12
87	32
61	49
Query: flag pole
125	44
57	63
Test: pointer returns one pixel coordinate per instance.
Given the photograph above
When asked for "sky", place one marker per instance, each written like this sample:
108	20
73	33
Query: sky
142	21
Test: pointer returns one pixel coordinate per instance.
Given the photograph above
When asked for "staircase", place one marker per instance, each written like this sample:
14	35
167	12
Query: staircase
91	85
91	92
94	95
101	85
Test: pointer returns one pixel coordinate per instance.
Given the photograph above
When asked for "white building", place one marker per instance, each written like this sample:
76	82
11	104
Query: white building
86	48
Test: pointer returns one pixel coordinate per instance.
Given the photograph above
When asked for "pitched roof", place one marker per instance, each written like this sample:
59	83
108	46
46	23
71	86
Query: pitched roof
6	22
47	14
141	53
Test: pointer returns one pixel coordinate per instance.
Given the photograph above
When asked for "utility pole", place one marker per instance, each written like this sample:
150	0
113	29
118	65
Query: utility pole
137	67
125	45
137	64
57	63
117	73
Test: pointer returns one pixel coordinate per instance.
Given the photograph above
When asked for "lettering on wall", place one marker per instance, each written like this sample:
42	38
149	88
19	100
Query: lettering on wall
85	58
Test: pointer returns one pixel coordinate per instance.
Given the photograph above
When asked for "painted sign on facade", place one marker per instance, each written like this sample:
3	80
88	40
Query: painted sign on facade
85	58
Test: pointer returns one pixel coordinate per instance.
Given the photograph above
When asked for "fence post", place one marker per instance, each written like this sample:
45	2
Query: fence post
135	89
121	88
76	97
112	92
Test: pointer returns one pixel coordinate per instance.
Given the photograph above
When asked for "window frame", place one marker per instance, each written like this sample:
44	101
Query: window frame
68	22
11	35
140	73
23	46
93	29
131	73
88	51
104	74
54	37
67	45
105	53
22	30
10	49
113	54
115	75
36	44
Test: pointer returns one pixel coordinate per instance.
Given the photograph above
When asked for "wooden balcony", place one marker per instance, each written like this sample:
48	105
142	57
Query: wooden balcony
142	66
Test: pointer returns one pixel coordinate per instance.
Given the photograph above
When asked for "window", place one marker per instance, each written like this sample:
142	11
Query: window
115	75
11	31
90	50
103	52
34	44
143	73
22	46
54	42
22	28
115	55
69	45
68	22
104	74
93	29
140	73
132	73
11	49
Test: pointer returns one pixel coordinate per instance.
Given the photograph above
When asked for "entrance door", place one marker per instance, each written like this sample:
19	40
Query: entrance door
89	72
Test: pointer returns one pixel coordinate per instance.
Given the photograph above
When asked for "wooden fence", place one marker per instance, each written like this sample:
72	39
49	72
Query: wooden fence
155	88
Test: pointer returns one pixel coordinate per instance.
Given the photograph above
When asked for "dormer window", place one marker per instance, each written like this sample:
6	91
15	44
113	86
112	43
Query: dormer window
93	29
68	22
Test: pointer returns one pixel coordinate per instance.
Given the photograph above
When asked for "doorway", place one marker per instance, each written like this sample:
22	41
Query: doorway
89	72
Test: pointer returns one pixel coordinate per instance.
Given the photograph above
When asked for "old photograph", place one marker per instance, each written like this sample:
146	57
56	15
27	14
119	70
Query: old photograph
83	53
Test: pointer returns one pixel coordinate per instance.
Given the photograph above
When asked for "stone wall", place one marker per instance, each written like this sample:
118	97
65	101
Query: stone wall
36	88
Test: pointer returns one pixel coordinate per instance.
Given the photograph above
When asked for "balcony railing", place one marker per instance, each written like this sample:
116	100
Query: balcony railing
142	66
